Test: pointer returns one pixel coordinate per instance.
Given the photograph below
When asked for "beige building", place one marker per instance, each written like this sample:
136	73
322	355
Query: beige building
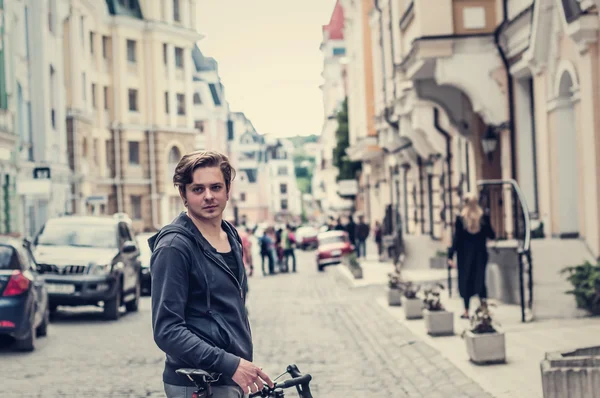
482	89
129	69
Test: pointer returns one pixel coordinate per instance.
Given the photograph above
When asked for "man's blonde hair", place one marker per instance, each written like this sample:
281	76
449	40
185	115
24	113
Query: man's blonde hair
184	172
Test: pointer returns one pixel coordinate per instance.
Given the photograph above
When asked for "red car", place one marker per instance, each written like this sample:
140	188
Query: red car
333	245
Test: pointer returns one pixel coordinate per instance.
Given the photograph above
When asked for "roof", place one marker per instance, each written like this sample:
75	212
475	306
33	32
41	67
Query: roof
203	63
334	30
131	8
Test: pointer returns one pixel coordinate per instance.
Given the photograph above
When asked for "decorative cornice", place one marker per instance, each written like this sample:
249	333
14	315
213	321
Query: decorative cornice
584	31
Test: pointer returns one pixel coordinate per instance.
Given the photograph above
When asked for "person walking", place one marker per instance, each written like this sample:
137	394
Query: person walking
289	243
472	230
362	233
378	238
199	317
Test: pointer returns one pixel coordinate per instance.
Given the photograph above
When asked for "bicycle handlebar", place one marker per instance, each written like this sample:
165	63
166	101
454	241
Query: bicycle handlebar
303	381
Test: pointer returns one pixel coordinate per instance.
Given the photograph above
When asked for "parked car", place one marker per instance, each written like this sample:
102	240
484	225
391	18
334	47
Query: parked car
145	254
90	260
24	311
306	238
333	246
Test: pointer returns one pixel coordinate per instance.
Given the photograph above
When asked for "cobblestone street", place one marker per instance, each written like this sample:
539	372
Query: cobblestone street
351	346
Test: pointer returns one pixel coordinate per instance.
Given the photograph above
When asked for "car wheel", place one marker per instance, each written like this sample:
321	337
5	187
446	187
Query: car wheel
133	305
42	329
111	307
28	343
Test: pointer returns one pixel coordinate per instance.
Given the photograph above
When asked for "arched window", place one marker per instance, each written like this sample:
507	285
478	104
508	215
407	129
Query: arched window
174	157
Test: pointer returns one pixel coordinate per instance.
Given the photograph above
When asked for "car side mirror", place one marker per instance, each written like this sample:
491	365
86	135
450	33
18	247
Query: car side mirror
129	247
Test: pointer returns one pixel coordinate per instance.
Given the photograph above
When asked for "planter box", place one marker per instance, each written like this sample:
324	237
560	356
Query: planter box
439	323
438	262
357	272
413	308
573	374
394	297
486	348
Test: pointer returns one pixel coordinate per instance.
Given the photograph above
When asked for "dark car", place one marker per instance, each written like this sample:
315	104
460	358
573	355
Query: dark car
24	313
145	254
90	260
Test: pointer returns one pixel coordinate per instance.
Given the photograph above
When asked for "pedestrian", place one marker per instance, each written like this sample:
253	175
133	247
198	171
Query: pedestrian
199	318
289	243
378	238
351	230
362	233
267	242
245	234
472	230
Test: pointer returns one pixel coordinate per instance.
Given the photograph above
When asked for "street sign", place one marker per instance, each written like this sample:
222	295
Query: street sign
41	173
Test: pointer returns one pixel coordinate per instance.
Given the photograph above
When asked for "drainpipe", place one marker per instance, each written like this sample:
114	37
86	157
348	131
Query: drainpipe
442	131
116	128
151	134
510	89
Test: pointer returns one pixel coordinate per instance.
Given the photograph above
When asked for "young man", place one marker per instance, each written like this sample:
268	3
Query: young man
199	285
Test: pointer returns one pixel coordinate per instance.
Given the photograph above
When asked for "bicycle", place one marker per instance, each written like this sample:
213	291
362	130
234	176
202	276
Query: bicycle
203	381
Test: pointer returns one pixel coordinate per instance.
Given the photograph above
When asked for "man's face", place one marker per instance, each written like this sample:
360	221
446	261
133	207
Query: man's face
207	194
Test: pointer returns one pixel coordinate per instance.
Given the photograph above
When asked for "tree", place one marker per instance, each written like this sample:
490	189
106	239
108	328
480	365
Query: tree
347	168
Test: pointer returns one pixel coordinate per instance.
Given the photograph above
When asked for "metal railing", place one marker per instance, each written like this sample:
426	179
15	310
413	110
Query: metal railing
512	223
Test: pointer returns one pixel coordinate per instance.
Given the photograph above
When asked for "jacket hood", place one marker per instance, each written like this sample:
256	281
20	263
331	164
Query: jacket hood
185	226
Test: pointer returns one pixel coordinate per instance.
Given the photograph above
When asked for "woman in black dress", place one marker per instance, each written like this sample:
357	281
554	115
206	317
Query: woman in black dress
471	233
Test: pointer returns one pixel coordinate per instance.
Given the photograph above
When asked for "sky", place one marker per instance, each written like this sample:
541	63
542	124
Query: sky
269	59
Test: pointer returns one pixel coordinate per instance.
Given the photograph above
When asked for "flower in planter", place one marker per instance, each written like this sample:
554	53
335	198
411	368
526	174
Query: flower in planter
432	298
585	279
482	321
410	289
394	281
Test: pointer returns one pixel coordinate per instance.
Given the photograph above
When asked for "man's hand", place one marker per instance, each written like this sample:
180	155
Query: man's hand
250	377
451	263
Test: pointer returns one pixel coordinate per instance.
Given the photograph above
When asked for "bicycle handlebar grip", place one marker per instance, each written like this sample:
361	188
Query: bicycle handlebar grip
305	379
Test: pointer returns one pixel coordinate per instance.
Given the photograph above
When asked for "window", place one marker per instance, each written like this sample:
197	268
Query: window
136	207
92	43
167	102
165	53
83	86
199	125
197	99
51	20
106	97
109	154
105	40
180	104
133	96
26	28
53	96
95	151
134	153
283	188
215	94
176	14
179	57
284	204
242	196
94	95
131	47
82	30
282	171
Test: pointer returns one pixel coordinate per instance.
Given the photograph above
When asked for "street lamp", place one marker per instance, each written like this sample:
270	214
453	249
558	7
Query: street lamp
489	142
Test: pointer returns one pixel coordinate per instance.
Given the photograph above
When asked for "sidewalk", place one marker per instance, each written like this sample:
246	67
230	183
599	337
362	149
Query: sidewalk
526	343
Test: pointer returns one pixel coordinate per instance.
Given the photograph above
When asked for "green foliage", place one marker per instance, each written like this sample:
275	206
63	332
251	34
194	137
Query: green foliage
585	279
304	184
347	169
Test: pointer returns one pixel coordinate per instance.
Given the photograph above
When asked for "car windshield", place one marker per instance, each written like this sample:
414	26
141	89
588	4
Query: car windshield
332	239
7	258
306	231
80	235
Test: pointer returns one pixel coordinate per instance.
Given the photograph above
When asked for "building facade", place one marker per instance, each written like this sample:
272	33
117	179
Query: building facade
10	31
130	105
334	93
284	198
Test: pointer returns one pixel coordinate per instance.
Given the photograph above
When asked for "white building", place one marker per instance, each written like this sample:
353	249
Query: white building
334	93
250	198
211	110
9	139
285	201
40	103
